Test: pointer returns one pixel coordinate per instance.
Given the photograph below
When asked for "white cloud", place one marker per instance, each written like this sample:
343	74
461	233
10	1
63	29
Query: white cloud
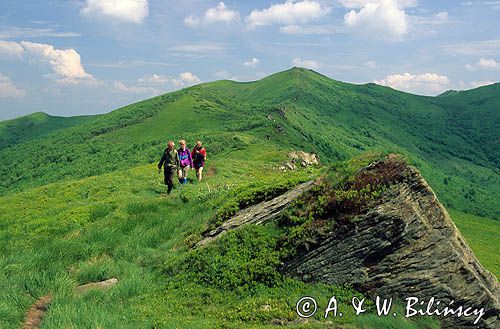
133	11
221	14
188	78
311	29
252	63
477	48
130	63
461	85
154	79
155	84
11	49
307	63
424	22
192	21
196	48
426	83
370	64
222	74
442	16
122	87
10	32
218	14
287	13
66	63
225	75
356	4
477	84
492	4
385	19
483	64
8	89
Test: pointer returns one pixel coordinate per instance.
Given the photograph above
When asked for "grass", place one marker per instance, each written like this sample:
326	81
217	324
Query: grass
79	202
33	126
483	236
451	139
119	225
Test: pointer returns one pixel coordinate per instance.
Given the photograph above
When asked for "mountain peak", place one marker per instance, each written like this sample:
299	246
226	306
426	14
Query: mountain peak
449	92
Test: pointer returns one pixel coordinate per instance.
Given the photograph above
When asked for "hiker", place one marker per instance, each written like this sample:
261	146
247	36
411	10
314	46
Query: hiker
185	162
199	156
170	163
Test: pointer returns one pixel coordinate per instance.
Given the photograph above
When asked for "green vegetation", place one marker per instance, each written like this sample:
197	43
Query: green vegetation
81	200
341	194
453	140
119	225
483	236
33	126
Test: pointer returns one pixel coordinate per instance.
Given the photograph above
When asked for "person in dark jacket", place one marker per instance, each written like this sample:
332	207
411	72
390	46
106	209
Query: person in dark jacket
199	156
185	162
170	163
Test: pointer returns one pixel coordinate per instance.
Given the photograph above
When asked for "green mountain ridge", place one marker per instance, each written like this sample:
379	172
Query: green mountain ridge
83	202
35	125
451	139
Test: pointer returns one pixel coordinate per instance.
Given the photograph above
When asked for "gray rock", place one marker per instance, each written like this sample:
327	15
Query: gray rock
257	214
305	159
406	247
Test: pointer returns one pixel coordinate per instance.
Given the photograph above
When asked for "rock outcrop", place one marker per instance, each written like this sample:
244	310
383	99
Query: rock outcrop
404	246
303	158
257	214
300	158
407	246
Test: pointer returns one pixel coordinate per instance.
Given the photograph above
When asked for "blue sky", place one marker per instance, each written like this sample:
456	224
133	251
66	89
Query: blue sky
91	56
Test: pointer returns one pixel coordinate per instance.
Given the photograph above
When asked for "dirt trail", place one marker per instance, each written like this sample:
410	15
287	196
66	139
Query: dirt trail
37	311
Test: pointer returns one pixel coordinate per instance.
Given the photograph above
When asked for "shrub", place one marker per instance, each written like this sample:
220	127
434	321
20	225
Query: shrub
349	190
243	258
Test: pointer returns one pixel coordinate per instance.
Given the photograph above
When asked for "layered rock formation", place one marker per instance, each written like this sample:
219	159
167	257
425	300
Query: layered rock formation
257	214
406	246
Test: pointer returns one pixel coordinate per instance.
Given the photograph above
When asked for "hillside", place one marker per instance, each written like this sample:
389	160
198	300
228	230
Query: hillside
453	140
35	125
81	201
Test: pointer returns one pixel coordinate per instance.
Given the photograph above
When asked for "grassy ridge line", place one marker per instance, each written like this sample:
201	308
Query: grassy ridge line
341	120
116	225
294	109
35	125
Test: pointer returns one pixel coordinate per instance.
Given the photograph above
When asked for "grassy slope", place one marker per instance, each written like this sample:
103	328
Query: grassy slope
483	236
35	125
116	224
452	139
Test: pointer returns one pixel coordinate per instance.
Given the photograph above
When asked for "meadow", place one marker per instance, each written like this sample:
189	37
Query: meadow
81	199
122	225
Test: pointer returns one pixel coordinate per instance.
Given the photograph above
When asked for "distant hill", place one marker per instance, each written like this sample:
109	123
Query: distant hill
453	139
450	92
81	201
34	125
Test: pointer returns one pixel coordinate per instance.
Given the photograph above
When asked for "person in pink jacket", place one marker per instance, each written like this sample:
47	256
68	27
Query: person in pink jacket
185	162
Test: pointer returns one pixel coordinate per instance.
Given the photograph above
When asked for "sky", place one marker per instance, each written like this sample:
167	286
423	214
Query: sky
75	57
